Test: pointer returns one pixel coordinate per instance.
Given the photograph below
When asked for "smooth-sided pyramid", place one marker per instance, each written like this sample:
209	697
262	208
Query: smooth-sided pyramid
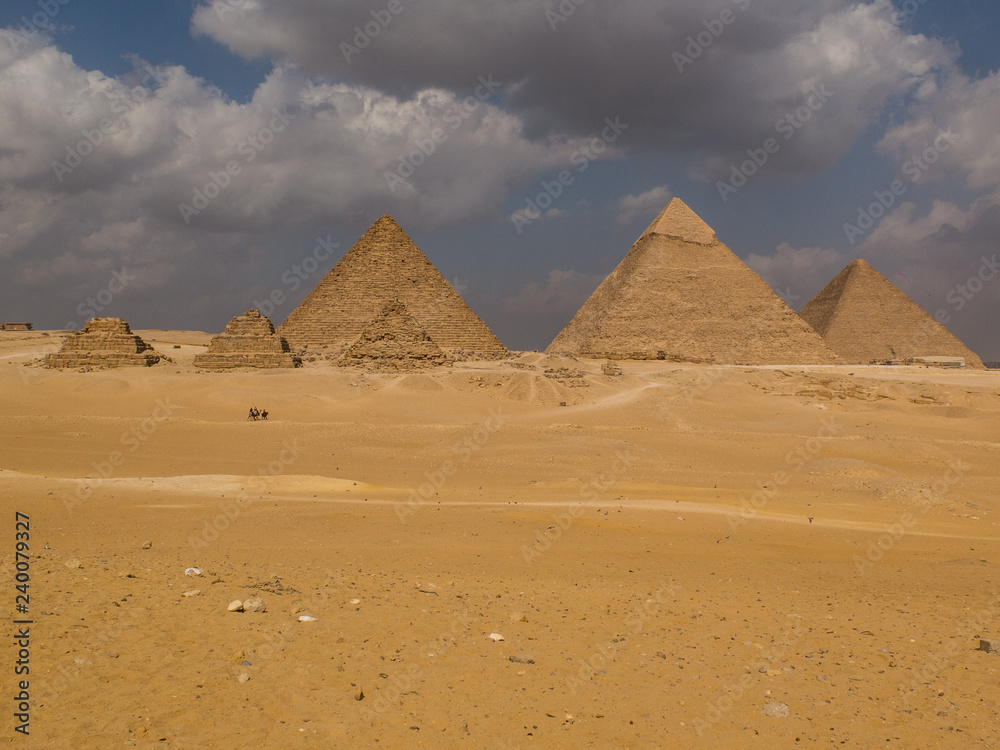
104	342
866	318
385	265
248	341
681	294
394	341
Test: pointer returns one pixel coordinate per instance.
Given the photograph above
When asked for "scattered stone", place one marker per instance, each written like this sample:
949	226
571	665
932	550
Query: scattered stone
522	659
192	572
776	710
147	544
307	618
246	663
989	646
518	617
73	564
360	696
495	637
355	601
244	677
236	606
254	605
111	654
80	661
193	592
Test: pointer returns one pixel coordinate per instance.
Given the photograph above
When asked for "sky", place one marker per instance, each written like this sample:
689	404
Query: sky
177	163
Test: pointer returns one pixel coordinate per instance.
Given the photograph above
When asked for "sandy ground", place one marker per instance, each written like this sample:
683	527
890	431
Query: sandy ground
670	555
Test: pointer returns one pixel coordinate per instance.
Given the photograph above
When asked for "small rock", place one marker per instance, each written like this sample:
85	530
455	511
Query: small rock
355	601
246	663
306	618
360	695
73	564
111	654
147	544
80	661
254	605
776	710
661	654
989	646
236	606
495	637
192	572
193	592
244	677
518	617
522	659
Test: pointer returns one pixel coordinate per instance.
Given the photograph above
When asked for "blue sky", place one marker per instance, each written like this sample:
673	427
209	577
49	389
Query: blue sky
355	106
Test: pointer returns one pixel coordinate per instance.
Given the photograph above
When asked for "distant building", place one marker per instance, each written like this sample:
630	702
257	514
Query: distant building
17	326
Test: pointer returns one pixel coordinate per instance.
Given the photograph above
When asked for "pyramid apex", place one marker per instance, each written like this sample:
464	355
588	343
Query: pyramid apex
677	220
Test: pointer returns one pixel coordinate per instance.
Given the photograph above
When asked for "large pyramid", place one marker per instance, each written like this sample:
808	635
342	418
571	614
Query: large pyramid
681	294
385	265
864	317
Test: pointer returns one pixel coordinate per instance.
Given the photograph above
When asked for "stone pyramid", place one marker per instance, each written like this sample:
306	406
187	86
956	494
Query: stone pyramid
864	317
104	342
681	294
394	341
248	341
386	265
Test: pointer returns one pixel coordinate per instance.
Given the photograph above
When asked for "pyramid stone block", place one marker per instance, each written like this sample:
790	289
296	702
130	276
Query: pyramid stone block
103	342
866	318
681	294
394	341
385	265
249	340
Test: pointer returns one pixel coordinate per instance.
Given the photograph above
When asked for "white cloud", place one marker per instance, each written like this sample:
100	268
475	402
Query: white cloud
651	202
796	274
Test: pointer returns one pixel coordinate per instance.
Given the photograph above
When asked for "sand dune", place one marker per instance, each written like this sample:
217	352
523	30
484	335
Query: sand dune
674	549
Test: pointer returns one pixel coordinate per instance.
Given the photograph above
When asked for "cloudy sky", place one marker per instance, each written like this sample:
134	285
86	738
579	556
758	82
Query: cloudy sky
179	162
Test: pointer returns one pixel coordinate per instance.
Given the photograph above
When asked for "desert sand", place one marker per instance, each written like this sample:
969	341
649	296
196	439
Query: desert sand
678	556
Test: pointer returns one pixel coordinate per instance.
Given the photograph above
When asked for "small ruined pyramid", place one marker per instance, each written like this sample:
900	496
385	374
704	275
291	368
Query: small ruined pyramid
865	318
386	265
681	294
394	341
104	342
248	341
